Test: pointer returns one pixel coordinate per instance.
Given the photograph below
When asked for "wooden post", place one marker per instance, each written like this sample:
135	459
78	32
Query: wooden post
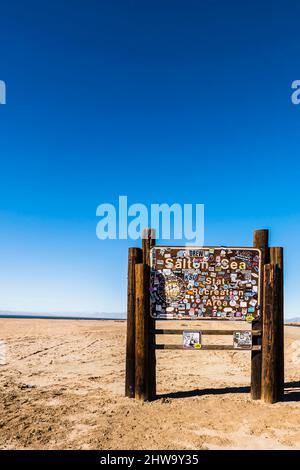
261	241
135	256
276	258
141	333
271	391
148	242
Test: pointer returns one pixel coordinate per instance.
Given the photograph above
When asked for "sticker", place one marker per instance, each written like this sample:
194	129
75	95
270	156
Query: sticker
190	339
249	318
242	340
169	309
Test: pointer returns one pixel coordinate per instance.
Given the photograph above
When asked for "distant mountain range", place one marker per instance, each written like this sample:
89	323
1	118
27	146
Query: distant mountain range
292	320
66	315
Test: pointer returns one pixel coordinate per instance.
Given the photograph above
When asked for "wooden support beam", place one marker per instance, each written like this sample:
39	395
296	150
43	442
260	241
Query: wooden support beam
135	256
141	334
261	241
271	381
276	257
211	347
205	332
148	241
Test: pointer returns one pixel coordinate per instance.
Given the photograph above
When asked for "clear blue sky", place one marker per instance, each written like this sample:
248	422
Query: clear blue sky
163	101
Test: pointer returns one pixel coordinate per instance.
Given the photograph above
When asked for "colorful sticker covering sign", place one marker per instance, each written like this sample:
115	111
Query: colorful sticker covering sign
242	340
205	283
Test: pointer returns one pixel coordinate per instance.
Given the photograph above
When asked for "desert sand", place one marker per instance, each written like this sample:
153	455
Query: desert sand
63	388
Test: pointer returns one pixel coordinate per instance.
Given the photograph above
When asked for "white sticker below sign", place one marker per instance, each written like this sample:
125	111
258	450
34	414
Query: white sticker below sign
192	339
242	340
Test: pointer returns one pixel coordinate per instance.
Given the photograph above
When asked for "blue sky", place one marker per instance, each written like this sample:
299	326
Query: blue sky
162	101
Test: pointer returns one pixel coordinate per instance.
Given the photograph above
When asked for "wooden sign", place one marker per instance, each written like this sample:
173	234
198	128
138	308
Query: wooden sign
205	283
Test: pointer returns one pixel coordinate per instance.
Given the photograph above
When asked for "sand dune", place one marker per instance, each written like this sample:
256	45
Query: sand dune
63	387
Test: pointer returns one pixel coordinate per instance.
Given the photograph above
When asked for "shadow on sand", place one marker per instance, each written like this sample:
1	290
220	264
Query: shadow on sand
292	392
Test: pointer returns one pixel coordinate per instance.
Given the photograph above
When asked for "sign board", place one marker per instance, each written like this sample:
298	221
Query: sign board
205	283
242	340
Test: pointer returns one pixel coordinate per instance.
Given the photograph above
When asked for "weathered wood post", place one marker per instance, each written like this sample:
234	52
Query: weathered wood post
135	256
276	258
261	241
148	242
272	389
141	333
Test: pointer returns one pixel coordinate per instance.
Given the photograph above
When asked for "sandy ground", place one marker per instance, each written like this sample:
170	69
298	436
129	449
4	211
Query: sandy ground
63	388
